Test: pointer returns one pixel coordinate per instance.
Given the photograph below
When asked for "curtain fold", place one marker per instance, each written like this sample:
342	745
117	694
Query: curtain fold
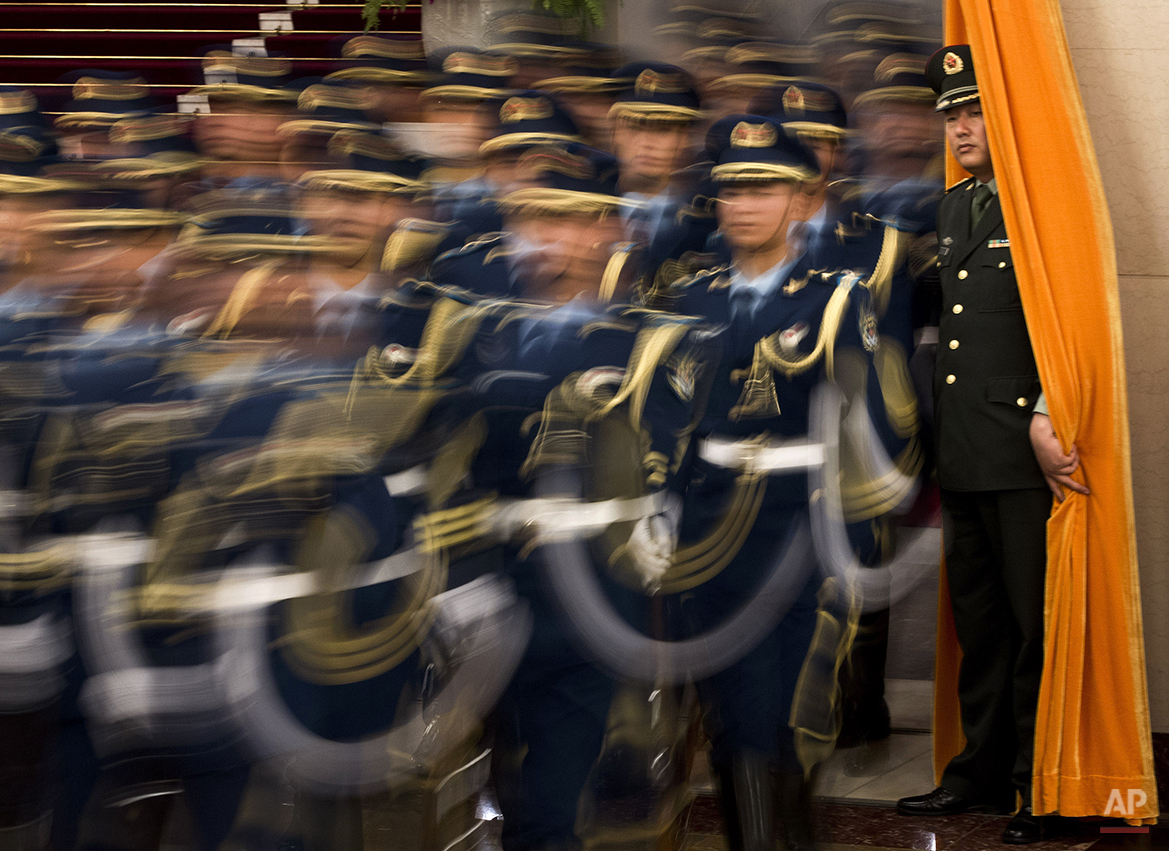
1092	732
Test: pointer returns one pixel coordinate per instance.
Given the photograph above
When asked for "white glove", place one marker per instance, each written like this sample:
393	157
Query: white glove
653	541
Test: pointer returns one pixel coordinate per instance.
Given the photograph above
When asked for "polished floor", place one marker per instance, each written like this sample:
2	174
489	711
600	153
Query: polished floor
849	827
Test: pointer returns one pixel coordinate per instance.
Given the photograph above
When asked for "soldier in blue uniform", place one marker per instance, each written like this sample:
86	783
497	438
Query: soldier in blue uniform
526	119
557	249
788	325
863	229
390	71
655	119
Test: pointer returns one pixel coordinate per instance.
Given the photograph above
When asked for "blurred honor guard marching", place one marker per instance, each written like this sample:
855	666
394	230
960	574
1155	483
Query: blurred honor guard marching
557	248
653	138
995	488
787	326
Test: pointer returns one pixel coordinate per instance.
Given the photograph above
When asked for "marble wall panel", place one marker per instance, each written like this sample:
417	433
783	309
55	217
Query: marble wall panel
1145	316
1128	110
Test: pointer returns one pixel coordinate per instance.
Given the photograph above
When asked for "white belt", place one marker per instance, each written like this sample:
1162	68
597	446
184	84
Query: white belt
754	456
408	482
566	518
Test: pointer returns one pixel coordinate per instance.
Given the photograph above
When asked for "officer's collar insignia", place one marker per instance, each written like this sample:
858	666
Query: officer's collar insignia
948	240
793	101
952	63
794	285
524	109
748	135
999	243
789	340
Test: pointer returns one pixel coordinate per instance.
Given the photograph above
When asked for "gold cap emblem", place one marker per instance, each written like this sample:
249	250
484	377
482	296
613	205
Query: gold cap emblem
524	109
650	81
747	135
647	82
793	101
952	63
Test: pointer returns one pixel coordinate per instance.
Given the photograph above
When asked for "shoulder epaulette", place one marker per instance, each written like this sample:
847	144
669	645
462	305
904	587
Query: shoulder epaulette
701	274
411	242
471	246
962	182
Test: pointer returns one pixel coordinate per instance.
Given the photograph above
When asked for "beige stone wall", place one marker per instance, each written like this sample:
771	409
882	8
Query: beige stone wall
1117	47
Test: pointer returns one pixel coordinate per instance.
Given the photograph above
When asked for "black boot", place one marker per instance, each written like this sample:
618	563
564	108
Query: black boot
747	793
793	802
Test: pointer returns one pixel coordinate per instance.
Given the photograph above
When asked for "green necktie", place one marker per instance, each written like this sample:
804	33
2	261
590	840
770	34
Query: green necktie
982	196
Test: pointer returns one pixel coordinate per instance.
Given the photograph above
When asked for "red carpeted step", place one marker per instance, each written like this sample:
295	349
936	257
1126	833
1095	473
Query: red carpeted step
204	16
184	72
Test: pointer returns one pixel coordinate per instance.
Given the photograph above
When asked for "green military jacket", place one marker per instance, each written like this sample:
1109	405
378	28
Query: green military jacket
985	380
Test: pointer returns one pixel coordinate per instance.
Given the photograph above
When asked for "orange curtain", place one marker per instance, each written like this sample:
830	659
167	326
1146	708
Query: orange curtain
1092	734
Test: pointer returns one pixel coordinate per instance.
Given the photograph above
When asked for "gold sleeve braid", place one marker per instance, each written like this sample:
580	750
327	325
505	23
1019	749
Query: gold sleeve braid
321	642
567	410
894	248
336	432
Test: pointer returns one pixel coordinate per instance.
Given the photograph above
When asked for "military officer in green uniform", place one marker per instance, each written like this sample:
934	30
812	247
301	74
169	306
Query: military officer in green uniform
997	468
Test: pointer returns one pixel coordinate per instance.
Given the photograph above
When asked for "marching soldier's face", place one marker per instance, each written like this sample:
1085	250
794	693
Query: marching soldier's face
390	102
901	130
361	216
240	131
468	125
650	151
564	256
755	216
966	135
591	113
